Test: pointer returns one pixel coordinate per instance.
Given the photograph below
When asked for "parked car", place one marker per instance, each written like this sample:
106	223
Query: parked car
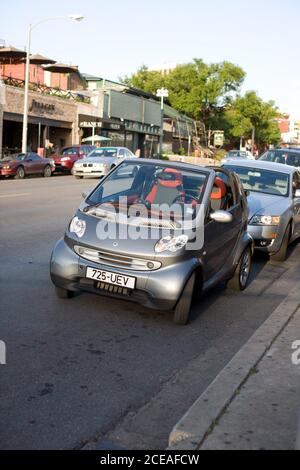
161	265
285	156
100	161
69	155
238	154
25	164
274	204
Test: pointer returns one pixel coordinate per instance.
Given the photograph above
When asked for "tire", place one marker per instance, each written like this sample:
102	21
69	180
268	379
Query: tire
183	307
20	173
241	276
79	177
47	171
63	293
282	253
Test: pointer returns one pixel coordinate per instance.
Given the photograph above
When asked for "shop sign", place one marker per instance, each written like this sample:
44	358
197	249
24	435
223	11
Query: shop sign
40	106
90	124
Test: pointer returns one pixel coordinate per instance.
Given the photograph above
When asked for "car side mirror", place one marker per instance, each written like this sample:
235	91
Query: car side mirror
223	217
86	193
297	193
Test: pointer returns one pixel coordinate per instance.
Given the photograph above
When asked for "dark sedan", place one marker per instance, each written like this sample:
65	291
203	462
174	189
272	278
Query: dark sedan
25	164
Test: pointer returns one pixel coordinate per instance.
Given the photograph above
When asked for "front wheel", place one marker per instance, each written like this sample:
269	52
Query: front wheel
63	293
241	276
282	253
183	307
20	173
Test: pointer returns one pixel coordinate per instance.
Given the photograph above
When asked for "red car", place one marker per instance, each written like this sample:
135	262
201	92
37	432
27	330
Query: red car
69	155
23	164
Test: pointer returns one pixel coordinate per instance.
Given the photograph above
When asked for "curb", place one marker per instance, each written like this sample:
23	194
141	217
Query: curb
198	422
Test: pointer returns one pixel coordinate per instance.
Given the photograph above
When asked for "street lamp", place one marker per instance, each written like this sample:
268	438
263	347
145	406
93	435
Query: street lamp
162	93
25	112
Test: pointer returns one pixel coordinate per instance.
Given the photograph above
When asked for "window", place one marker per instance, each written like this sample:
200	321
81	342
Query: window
263	181
121	153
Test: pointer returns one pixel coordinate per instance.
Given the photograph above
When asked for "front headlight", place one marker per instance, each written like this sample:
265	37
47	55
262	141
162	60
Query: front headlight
77	226
171	243
265	220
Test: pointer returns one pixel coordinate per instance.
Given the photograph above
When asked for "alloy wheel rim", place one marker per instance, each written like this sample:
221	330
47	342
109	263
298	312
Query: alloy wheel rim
245	269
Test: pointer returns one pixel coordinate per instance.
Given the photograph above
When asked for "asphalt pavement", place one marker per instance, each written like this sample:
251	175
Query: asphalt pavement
93	372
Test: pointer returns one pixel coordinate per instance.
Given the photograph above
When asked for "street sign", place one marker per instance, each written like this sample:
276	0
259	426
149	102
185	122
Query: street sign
218	139
162	93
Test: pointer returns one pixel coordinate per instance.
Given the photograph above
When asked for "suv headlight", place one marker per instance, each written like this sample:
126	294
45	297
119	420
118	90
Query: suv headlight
265	220
77	226
171	243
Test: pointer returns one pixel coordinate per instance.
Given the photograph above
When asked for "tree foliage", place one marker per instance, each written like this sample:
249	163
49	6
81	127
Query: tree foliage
210	92
197	89
250	111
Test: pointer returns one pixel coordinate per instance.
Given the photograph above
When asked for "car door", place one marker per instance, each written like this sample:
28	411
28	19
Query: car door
296	204
30	164
220	239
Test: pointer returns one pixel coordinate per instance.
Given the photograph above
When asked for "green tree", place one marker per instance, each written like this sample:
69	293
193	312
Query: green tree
248	112
197	89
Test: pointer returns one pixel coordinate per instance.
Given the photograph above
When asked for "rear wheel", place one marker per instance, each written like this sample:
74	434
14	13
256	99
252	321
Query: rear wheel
182	309
282	253
63	293
241	276
47	171
20	173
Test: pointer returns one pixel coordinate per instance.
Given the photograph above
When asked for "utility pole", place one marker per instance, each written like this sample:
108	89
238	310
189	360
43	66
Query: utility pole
162	93
252	141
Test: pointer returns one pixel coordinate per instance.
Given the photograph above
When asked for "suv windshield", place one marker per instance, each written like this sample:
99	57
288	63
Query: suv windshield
262	181
148	185
104	152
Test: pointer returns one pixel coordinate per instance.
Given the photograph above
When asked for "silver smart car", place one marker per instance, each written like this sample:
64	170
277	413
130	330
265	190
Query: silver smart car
274	204
152	231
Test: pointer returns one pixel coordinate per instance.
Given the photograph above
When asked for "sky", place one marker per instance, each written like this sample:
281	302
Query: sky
116	37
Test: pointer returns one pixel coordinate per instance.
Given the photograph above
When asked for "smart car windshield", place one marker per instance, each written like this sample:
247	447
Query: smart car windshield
148	185
104	152
262	181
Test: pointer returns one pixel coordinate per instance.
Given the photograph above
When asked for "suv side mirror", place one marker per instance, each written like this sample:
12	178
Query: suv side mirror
222	217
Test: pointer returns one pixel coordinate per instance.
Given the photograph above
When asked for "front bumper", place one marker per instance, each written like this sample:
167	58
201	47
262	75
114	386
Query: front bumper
10	172
158	289
90	172
63	166
266	238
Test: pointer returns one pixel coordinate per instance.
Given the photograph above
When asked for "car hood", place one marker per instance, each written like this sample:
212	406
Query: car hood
118	242
266	204
101	160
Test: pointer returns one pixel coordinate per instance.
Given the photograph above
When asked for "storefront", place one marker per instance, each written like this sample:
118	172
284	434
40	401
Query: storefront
52	122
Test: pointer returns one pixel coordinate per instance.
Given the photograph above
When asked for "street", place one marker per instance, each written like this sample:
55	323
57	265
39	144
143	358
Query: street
93	372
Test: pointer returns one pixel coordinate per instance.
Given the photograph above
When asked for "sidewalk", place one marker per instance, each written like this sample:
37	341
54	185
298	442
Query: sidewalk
254	403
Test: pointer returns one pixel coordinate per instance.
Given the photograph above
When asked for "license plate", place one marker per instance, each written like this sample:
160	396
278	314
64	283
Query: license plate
111	278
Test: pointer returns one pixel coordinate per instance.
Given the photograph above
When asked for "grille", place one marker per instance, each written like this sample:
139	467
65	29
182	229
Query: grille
116	260
112	289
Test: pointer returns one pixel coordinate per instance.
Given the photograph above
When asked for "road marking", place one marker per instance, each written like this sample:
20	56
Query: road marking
15	195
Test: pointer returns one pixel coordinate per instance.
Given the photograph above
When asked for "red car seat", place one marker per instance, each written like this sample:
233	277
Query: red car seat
219	195
167	188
